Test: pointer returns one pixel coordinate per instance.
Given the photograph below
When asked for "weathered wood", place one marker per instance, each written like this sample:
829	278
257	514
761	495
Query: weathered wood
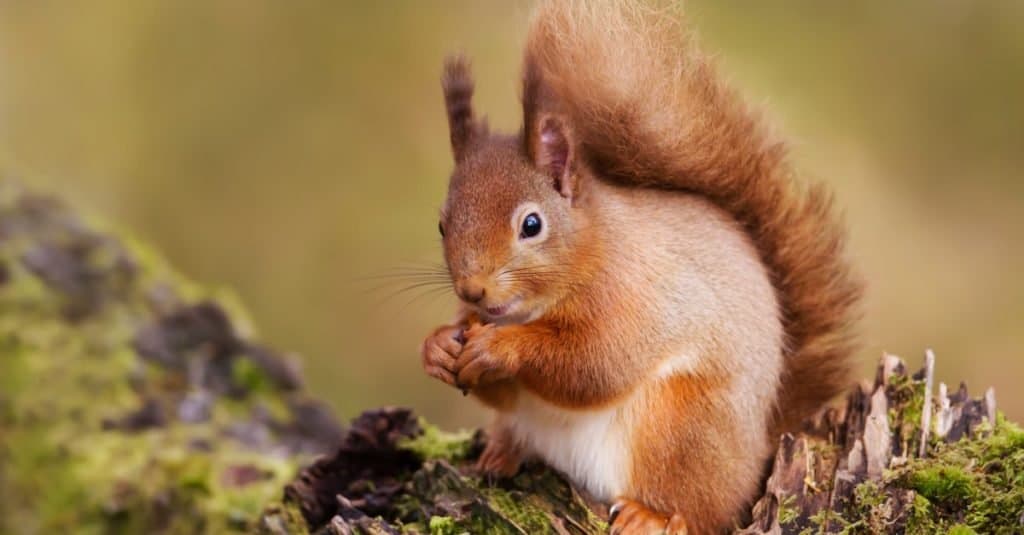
888	471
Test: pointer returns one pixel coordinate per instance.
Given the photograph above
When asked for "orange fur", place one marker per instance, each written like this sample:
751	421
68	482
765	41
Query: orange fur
684	300
714	487
650	110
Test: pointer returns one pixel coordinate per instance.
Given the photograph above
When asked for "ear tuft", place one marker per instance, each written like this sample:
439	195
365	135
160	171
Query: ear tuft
552	152
457	83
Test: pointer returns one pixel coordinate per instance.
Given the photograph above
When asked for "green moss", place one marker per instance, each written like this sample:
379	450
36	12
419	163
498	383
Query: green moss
871	511
519	509
868	496
945	484
973	484
444	525
920	519
63	468
787	511
282	519
535	502
907	399
822	518
961	529
436	444
249	376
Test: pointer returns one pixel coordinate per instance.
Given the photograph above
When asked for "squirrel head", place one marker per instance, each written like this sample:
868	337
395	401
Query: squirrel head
511	224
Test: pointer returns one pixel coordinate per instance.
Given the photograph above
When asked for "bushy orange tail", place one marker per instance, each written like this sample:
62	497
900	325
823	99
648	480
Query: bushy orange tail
647	108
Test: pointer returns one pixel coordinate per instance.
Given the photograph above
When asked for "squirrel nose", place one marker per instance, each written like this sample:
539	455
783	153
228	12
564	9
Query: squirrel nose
471	291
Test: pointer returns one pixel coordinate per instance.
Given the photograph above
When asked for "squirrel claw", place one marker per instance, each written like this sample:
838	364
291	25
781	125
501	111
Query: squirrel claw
613	511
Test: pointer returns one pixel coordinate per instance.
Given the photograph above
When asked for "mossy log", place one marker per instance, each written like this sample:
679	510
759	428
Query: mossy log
896	459
133	401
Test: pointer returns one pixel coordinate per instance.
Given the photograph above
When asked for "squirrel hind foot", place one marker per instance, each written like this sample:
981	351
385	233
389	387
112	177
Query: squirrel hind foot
500	458
629	517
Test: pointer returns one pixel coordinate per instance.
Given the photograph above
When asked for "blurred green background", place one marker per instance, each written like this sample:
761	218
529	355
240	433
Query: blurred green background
290	149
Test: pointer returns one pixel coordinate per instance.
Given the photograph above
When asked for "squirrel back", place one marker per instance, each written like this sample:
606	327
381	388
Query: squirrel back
647	109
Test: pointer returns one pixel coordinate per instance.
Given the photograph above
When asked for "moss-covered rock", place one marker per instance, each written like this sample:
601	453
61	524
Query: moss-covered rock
129	401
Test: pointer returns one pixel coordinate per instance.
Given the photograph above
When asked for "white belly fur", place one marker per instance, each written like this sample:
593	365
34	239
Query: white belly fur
590	447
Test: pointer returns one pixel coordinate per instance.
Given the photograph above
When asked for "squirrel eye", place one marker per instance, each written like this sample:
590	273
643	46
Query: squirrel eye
440	228
531	226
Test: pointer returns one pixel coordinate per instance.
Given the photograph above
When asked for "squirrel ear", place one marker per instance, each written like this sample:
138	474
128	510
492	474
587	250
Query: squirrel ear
549	141
552	152
457	83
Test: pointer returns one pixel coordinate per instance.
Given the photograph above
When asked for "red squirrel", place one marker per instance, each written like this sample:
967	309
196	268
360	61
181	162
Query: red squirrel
648	297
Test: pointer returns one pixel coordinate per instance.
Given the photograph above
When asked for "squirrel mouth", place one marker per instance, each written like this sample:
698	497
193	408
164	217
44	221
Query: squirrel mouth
500	310
497	311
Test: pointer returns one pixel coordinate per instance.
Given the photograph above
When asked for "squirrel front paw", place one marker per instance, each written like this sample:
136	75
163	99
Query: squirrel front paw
439	352
484	359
